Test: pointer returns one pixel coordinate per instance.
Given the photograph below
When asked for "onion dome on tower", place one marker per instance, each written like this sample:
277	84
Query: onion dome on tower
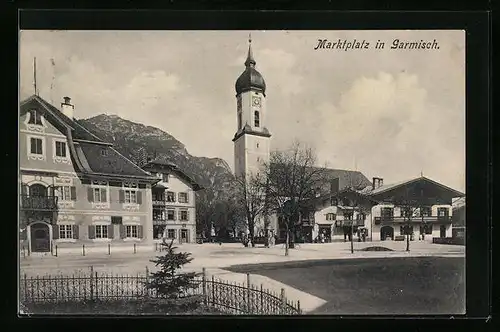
250	79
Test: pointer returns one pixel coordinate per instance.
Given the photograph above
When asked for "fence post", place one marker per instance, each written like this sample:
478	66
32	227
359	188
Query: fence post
83	249
204	285
283	303
96	287
25	288
109	248
248	292
91	283
213	290
261	311
56	250
298	307
147	282
135	250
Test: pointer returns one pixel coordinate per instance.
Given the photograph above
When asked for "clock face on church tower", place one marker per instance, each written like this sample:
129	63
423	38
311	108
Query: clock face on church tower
256	101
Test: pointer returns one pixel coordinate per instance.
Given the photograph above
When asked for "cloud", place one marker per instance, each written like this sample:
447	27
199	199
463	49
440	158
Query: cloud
385	125
396	113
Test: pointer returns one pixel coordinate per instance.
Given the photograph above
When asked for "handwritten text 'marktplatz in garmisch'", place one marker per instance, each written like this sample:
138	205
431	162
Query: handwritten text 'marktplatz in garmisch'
396	44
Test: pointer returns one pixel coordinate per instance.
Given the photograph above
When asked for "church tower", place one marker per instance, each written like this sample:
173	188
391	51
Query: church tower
252	138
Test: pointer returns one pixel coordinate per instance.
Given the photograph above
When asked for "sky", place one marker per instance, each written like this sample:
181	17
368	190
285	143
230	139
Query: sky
389	113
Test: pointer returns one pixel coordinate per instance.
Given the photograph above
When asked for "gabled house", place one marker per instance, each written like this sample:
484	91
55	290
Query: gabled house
421	205
174	202
76	188
424	205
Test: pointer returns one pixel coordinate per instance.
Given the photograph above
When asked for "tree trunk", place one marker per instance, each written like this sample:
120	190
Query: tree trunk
287	241
352	240
251	234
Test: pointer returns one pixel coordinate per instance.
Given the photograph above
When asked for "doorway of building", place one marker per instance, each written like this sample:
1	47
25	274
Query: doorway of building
40	237
327	232
442	231
184	236
386	233
306	236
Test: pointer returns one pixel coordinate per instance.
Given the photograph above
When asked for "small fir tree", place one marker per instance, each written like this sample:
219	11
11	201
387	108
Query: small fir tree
170	284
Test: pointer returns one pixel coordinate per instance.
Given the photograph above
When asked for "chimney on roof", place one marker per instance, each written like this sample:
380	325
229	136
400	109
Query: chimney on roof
67	108
377	183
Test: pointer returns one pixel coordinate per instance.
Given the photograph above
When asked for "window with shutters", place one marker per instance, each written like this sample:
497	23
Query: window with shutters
171	233
66	231
184	215
60	151
99	194
130	193
170	196
66	193
330	216
101	231
183	198
131	231
442	212
36	147
170	214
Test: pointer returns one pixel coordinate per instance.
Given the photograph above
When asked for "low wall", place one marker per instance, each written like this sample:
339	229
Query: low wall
449	240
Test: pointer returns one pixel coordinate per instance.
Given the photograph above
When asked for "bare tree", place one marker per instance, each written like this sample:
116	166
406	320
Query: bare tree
205	210
354	198
411	204
251	197
228	214
291	179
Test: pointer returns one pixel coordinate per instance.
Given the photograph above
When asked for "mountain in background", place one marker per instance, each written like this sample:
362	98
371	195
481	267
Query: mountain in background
138	142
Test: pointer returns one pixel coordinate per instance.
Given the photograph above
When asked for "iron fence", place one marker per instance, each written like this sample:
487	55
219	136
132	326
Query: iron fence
227	297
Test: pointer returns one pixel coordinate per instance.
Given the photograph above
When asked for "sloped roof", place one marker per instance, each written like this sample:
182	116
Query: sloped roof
348	178
79	131
392	186
106	160
86	148
175	169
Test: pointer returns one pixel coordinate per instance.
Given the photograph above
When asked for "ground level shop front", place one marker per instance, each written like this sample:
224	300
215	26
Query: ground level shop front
71	230
180	233
389	231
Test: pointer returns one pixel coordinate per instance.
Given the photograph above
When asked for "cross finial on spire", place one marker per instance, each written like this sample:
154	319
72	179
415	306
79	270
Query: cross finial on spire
421	173
250	62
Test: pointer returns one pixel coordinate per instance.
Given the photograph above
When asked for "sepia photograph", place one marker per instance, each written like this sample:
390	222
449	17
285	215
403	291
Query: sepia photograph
242	172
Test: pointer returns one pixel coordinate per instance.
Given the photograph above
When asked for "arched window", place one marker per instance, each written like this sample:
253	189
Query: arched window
256	119
239	120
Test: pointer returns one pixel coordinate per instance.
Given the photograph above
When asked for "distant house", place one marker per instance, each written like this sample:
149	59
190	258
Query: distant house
76	188
384	210
325	215
424	204
458	217
174	202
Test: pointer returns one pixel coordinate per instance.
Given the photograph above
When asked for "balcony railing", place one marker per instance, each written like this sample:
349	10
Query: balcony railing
47	203
425	219
159	221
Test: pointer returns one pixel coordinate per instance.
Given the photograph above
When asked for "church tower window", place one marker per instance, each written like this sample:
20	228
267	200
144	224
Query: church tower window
256	119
